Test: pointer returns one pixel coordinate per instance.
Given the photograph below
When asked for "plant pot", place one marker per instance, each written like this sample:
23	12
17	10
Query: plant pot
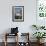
40	41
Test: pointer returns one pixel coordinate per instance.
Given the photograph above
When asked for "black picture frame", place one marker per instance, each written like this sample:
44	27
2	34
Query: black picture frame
17	13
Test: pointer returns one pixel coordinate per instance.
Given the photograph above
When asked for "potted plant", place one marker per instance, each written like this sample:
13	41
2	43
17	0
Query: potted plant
39	35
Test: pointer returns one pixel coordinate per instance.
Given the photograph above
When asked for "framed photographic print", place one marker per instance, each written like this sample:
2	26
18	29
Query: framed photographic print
17	13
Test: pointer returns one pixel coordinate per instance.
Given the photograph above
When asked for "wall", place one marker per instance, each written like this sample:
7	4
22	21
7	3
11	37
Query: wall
6	15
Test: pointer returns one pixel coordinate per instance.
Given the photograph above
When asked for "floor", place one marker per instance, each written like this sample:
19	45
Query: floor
13	44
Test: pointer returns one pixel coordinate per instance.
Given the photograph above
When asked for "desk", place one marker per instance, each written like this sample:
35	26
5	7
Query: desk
8	34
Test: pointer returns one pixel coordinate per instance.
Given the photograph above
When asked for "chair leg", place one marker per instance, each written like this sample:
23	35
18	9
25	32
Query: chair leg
5	43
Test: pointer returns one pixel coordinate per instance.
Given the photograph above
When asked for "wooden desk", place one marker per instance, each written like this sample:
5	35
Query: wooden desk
8	34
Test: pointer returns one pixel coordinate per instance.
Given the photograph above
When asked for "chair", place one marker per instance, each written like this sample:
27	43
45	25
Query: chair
14	32
7	35
24	36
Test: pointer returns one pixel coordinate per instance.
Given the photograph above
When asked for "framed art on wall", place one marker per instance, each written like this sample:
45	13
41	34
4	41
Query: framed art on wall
17	13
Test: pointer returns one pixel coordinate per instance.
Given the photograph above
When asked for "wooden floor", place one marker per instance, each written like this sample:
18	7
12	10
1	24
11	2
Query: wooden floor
13	44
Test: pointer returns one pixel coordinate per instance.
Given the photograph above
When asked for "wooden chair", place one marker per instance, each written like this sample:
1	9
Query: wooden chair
8	34
27	43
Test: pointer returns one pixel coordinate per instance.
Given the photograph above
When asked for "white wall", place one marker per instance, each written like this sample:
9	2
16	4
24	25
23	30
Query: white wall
6	15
